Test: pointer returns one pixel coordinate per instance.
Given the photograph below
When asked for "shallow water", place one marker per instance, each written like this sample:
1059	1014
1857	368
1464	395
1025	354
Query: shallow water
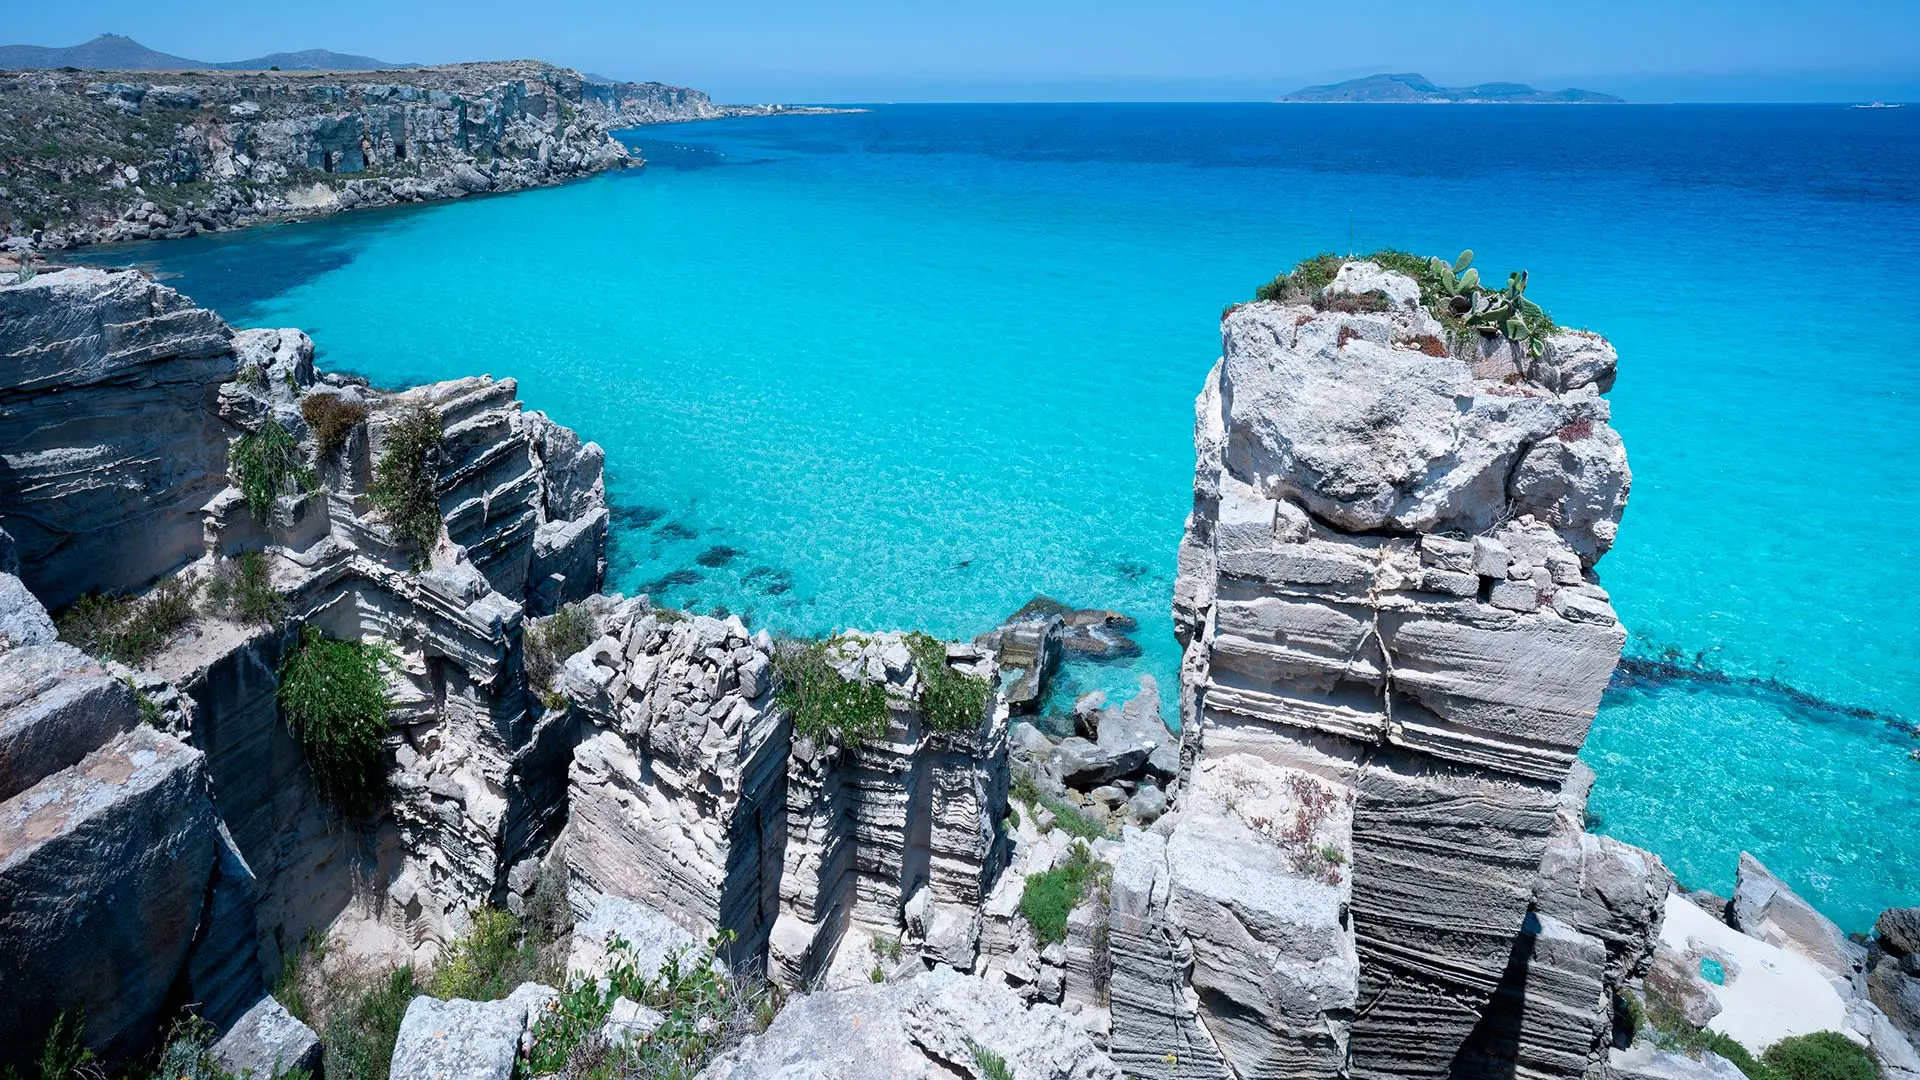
909	368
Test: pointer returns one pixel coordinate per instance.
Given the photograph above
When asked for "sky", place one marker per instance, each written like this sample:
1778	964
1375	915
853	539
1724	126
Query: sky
869	50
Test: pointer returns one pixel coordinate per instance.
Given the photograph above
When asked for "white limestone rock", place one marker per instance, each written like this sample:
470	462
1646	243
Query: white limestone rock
268	1041
921	1029
459	1039
1765	908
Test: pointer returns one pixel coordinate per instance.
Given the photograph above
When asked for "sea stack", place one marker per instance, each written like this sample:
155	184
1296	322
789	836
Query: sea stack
1387	583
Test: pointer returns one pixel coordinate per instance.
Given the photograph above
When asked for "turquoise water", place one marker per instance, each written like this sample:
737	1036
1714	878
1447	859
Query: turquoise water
909	368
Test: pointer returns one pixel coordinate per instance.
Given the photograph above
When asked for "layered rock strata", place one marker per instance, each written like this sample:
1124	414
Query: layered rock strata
898	838
1386	581
677	788
94	157
151	392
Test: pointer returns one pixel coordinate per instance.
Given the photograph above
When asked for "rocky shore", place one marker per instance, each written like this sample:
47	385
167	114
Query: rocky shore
92	157
547	831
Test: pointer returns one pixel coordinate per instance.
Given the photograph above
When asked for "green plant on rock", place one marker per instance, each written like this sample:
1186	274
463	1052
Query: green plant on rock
332	418
704	1011
951	701
1072	820
268	464
992	1065
1049	897
826	706
241	590
333	695
551	640
1822	1055
406	482
488	961
362	1029
63	1054
130	629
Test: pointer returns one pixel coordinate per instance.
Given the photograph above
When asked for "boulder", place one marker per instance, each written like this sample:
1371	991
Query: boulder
1765	908
1139	724
923	1028
1896	990
1899	930
459	1039
1029	649
1084	765
126	837
268	1041
650	935
1644	1062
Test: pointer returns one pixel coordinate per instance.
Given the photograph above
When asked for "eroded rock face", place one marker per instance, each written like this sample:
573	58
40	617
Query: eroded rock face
1386	581
107	383
899	837
677	787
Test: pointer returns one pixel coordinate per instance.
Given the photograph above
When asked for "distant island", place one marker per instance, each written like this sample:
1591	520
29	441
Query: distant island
1413	89
113	52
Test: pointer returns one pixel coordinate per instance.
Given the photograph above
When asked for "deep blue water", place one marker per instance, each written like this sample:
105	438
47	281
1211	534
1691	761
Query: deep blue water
912	366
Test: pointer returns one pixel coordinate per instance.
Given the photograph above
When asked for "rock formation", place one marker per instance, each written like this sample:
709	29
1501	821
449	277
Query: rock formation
213	823
135	158
1386	581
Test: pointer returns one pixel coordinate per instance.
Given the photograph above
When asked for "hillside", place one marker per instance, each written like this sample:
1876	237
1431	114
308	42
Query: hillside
113	52
1416	89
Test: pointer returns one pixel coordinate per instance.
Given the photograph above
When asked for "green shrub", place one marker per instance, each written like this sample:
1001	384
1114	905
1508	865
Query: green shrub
128	629
551	640
1668	1028
1072	820
951	701
63	1054
705	1011
1823	1055
824	706
333	695
241	590
268	464
365	1023
487	963
1024	788
1050	897
406	483
332	418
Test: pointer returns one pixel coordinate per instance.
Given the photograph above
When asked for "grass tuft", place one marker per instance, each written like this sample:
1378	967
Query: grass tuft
551	640
241	590
952	702
129	629
825	706
1051	896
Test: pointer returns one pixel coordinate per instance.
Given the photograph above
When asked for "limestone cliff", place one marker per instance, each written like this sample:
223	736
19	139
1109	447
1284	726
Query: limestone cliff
1386	582
94	157
121	403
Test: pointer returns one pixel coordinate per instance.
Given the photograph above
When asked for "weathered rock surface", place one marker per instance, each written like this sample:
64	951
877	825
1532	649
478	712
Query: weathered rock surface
650	936
924	1028
460	1040
1385	581
268	1041
1232	952
105	866
677	788
1642	1062
900	836
132	158
1765	908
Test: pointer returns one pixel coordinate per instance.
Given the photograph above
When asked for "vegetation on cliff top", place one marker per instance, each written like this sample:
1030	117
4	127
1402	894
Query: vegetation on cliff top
1450	291
241	590
548	643
333	695
952	701
332	418
825	706
1051	896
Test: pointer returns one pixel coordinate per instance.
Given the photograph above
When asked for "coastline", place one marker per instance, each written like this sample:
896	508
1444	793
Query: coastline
139	158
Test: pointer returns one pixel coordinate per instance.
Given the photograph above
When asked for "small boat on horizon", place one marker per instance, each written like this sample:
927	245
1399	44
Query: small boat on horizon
1879	105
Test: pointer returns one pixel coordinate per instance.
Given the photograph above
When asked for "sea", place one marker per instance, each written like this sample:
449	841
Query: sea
914	366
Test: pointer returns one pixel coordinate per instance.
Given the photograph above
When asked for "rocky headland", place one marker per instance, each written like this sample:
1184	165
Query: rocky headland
91	157
338	745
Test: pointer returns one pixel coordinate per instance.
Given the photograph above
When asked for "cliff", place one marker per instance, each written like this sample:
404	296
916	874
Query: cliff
1363	855
92	157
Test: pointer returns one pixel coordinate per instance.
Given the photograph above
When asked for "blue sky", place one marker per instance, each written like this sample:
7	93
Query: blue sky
868	50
